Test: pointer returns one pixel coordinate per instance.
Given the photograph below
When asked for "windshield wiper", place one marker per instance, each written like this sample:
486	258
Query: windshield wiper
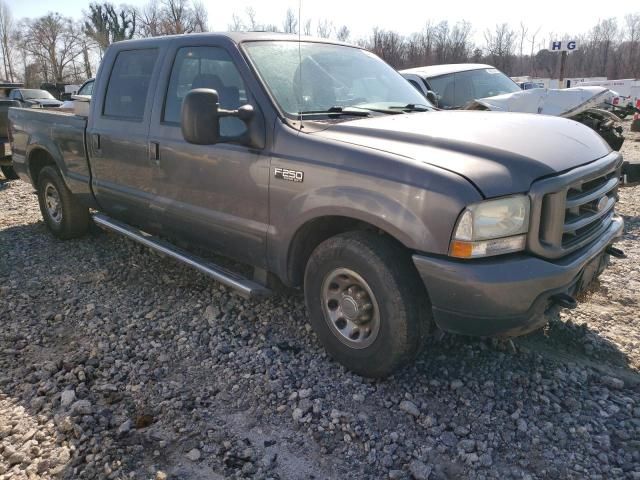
394	109
337	110
411	107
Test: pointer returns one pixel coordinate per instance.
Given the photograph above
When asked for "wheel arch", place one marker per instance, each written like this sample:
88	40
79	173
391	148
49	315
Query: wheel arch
318	229
39	157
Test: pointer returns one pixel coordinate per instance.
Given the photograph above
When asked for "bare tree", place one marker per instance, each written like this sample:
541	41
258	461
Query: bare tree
6	36
176	17
251	17
500	45
307	28
459	39
441	42
632	36
236	25
523	33
389	46
343	33
324	28
200	17
86	59
105	24
533	42
604	34
53	42
290	24
416	52
172	17
150	20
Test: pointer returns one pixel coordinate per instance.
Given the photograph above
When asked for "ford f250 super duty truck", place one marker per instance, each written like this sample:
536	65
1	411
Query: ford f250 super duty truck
317	164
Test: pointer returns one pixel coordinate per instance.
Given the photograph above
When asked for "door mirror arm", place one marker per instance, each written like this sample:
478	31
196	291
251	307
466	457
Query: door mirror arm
200	120
254	135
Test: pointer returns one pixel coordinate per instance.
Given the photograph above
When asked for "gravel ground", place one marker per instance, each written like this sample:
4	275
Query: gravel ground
117	363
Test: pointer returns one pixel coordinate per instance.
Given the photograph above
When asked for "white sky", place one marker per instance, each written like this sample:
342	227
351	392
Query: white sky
404	16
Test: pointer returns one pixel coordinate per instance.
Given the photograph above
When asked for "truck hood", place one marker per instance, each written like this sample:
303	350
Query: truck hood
500	153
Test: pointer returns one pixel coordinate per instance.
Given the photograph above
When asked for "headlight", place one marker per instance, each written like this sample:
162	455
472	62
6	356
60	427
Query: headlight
492	227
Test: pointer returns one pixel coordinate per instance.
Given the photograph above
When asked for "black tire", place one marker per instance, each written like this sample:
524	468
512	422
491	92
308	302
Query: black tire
71	219
404	315
9	173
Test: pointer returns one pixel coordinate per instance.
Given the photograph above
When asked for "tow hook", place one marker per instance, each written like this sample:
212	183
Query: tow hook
565	301
615	252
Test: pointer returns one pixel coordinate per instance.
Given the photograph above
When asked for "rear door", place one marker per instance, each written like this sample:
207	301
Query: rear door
213	195
117	136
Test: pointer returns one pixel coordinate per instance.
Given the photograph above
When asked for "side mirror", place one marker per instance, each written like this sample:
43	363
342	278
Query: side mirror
432	97
201	114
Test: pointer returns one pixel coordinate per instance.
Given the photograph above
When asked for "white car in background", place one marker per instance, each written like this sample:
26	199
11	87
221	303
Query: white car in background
454	85
473	86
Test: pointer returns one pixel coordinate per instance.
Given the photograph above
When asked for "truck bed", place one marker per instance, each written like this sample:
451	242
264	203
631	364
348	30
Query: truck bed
60	134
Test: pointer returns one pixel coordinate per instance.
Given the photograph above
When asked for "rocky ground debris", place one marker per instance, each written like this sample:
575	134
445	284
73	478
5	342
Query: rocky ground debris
116	363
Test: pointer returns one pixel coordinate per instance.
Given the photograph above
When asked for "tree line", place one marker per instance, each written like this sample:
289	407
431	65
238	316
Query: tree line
54	48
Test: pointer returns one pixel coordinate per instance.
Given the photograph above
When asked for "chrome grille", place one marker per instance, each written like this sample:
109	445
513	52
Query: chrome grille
589	208
573	209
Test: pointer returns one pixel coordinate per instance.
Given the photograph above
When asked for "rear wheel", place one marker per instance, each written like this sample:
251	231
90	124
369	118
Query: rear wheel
65	216
366	302
9	173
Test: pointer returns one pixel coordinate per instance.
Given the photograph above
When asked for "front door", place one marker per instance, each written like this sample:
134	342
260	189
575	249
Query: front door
117	138
215	195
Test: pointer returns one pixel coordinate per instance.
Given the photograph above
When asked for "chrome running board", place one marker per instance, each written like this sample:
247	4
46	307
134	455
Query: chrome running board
244	286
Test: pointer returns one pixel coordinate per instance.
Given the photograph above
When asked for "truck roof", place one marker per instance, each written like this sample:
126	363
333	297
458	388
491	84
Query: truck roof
235	37
437	70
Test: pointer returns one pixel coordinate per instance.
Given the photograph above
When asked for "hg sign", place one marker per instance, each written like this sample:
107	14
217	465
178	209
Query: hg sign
563	46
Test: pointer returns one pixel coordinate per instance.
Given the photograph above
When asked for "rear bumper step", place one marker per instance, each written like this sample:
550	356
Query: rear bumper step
244	286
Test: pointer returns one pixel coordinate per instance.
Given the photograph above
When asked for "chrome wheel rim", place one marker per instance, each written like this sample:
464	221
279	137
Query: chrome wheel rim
52	203
350	308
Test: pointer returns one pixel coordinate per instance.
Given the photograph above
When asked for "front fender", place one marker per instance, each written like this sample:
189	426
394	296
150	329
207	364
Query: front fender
418	218
388	214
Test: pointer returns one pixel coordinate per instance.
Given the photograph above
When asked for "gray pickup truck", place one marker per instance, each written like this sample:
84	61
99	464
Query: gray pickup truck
320	167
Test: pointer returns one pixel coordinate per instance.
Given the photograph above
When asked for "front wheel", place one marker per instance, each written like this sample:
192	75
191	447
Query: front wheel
366	302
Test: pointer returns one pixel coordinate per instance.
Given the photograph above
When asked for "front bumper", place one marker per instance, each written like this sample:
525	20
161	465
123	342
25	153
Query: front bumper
507	296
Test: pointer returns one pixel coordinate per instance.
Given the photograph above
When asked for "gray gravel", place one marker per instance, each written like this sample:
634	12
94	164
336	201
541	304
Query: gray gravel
117	363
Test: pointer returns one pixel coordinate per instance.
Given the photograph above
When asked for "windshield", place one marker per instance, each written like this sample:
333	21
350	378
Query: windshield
86	89
455	90
316	77
29	94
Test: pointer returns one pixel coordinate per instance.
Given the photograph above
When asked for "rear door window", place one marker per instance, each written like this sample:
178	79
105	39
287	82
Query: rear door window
128	85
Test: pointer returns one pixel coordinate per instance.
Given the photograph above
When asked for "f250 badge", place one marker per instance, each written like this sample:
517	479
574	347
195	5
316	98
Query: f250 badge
290	175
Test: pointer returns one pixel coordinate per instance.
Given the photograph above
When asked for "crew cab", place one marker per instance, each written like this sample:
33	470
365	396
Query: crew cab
319	166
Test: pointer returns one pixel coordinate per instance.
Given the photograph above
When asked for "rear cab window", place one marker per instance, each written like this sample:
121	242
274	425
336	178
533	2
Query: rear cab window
128	86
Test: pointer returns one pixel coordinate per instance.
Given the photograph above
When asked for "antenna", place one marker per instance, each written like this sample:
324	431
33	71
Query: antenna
300	60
